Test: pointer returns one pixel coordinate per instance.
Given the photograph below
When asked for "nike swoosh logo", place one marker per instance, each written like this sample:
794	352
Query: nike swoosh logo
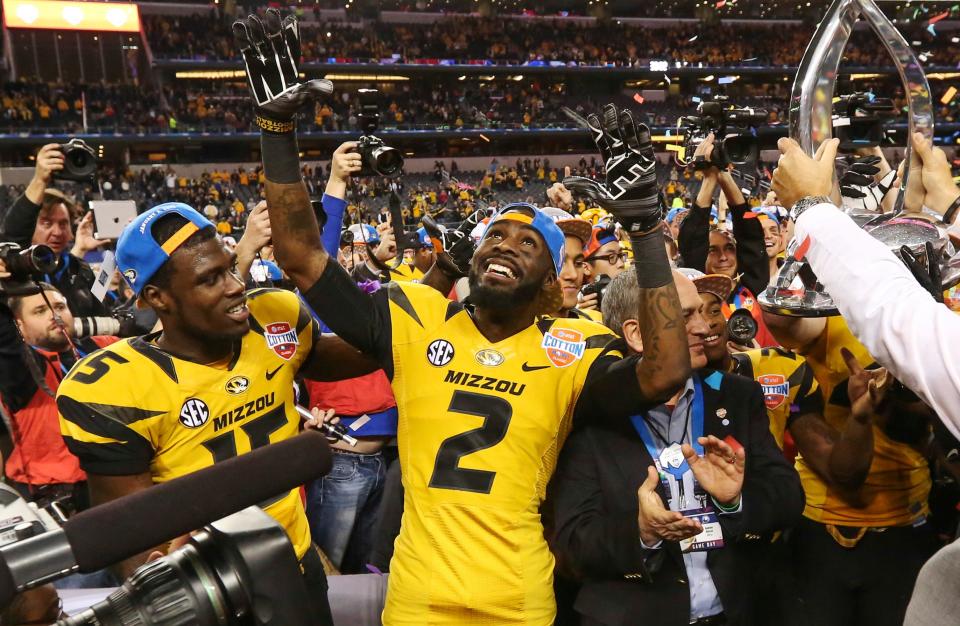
270	375
533	368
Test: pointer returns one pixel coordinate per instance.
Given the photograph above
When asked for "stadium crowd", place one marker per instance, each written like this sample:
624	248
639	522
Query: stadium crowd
607	392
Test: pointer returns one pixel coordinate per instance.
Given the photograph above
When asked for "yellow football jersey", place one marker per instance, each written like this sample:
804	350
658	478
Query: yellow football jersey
789	387
896	489
132	408
479	430
405	272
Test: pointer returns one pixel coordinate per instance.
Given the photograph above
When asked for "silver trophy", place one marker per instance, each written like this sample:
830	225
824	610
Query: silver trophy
796	291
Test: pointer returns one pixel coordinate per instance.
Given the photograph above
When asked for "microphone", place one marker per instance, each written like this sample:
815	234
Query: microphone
111	532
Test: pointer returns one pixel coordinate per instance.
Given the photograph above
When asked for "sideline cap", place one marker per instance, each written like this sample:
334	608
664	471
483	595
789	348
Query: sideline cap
568	224
719	285
601	236
139	256
540	222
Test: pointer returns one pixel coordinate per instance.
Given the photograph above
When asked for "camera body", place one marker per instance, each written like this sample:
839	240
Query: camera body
23	264
734	132
598	286
19	519
858	120
377	158
742	327
79	161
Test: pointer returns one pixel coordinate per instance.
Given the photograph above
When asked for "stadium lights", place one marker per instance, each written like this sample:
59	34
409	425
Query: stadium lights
383	78
96	16
215	74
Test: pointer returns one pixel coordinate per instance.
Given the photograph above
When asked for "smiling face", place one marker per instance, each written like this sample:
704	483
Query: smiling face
697	329
715	342
203	296
573	273
722	255
772	238
510	267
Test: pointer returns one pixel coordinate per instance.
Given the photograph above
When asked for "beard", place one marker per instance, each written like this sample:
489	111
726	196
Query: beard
502	298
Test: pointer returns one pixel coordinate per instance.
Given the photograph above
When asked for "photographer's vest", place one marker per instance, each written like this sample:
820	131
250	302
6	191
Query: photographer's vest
39	455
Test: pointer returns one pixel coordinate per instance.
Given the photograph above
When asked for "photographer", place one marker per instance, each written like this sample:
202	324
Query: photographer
44	215
741	255
35	355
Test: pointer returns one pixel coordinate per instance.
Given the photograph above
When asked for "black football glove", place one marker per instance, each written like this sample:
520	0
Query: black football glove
630	192
454	247
271	53
929	278
859	188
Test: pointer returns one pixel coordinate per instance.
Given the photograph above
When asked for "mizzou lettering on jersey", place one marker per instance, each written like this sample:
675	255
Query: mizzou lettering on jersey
133	408
243	411
484	382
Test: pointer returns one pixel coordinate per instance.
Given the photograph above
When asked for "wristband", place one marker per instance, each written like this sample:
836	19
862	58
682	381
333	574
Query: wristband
281	157
728	509
273	126
650	259
951	211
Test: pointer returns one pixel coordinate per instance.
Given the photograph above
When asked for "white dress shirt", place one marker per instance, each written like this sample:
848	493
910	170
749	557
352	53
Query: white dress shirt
916	338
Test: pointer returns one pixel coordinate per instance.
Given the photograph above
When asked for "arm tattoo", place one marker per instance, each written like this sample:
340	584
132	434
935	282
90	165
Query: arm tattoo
296	235
665	347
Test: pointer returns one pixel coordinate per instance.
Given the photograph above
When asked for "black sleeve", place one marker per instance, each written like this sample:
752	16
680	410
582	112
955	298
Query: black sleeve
752	260
16	382
588	540
806	401
361	320
772	494
694	238
610	393
21	221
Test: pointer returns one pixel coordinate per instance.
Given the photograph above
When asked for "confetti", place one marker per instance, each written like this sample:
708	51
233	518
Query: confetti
667	78
721	4
694	38
948	95
638	98
931	30
937	18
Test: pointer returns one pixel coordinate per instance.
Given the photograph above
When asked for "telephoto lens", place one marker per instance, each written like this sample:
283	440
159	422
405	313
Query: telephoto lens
92	326
24	262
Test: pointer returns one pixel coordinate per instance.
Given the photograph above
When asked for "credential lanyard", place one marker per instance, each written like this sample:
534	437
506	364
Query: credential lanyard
640	423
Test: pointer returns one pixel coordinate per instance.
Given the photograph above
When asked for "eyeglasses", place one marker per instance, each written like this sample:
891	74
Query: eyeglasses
611	258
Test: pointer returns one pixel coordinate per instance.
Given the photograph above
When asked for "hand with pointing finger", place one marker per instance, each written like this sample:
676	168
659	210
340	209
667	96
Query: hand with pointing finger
866	388
797	175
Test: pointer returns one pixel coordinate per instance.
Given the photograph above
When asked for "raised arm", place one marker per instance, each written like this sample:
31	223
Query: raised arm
632	196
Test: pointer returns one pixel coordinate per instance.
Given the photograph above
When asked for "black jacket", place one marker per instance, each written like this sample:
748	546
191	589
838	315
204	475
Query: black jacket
75	281
592	518
694	243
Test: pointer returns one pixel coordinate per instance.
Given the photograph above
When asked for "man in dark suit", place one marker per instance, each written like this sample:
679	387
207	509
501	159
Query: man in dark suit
614	504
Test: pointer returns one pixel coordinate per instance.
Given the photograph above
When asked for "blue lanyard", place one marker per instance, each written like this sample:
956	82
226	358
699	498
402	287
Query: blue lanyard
80	353
640	424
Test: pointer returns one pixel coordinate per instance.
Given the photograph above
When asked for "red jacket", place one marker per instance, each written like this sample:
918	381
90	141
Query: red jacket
39	455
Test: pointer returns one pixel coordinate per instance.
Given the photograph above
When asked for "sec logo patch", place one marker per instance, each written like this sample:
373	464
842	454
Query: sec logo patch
194	413
775	389
439	352
563	346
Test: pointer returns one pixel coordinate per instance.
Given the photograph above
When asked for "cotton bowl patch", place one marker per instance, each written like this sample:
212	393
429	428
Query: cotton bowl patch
775	389
563	346
282	339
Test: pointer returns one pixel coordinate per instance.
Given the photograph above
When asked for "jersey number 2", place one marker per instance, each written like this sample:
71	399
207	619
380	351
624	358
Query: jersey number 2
496	413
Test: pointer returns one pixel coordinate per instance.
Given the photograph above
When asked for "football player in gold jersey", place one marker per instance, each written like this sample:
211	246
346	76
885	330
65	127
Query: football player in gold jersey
216	382
486	393
858	552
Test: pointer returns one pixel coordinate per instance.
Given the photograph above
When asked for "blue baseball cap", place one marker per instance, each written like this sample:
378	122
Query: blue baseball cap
540	222
424	238
672	213
139	256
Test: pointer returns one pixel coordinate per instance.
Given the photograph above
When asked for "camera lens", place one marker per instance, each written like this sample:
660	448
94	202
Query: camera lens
41	259
741	327
387	161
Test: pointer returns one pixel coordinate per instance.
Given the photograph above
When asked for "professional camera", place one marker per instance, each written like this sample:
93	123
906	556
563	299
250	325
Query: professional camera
19	519
742	327
377	158
598	286
119	323
734	132
79	161
858	120
23	264
238	570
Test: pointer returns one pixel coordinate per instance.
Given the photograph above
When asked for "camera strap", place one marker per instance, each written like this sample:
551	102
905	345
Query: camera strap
59	322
